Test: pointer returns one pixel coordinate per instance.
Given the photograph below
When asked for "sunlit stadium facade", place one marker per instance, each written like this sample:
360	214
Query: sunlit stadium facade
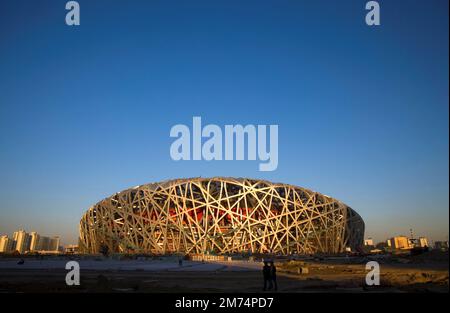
220	215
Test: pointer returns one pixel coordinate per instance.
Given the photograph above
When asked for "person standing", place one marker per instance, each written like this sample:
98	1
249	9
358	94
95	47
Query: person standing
273	275
266	276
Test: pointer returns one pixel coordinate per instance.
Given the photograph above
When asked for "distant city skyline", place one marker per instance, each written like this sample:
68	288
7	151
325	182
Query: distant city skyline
24	242
86	111
366	238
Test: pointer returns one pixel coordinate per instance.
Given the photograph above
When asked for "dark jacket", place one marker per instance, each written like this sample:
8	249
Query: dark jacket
266	272
273	271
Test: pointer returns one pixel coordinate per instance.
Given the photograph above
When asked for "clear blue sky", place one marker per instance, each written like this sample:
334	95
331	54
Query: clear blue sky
362	112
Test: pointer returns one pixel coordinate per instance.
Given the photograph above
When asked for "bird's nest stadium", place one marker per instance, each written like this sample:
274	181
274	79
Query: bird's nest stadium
222	216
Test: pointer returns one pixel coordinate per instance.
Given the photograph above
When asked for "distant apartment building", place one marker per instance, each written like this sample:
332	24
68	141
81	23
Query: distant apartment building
71	249
6	244
47	244
54	244
368	242
420	242
44	243
34	242
22	241
423	242
441	245
400	243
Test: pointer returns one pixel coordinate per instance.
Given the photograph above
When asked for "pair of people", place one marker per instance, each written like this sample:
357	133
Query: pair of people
270	276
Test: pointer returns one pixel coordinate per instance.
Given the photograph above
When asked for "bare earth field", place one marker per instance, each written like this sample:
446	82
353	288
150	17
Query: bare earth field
423	273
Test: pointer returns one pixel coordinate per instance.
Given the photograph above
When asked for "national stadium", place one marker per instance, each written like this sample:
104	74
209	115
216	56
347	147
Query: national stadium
222	216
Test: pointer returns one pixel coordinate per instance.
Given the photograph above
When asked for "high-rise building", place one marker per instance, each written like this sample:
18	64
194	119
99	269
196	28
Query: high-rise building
54	244
400	242
423	242
34	243
6	244
48	244
420	242
441	245
22	241
368	242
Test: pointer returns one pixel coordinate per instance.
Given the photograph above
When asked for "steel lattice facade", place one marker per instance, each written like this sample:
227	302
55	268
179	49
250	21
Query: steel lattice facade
220	215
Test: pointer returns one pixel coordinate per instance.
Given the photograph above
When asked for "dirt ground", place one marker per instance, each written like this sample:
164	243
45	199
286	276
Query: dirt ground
398	274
